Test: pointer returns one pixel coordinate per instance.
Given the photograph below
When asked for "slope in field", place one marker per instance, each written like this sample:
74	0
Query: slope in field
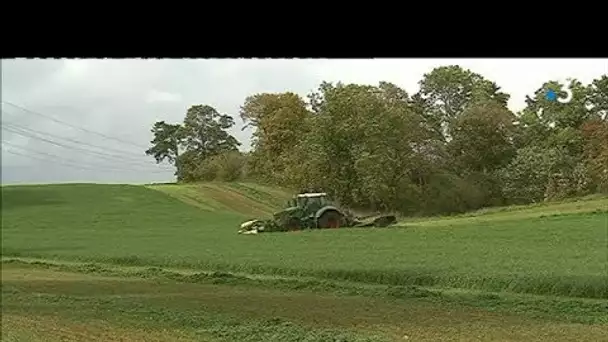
589	204
247	199
135	225
66	218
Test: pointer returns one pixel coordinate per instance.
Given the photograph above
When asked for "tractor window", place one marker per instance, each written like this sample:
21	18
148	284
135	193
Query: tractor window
302	201
311	202
316	201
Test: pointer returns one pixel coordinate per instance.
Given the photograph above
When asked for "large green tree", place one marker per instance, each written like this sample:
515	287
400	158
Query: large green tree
595	133
206	132
448	90
554	138
202	136
338	129
167	142
279	120
597	98
482	137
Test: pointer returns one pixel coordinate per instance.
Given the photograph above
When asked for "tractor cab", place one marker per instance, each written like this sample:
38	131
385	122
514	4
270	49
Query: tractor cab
309	203
305	200
302	209
315	199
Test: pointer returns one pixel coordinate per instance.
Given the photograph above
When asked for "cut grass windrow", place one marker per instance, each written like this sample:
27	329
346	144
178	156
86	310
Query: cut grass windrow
574	310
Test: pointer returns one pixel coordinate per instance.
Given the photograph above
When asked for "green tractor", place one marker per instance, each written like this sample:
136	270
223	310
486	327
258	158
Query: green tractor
312	211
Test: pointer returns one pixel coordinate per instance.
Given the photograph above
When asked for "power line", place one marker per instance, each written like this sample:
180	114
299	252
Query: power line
23	128
46	160
73	126
76	163
60	162
40	135
99	154
24	131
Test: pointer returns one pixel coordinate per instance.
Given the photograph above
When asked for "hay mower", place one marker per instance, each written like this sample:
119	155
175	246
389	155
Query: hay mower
313	211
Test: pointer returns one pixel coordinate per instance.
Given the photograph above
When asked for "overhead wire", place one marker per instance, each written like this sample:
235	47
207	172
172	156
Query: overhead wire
45	160
60	162
72	125
119	155
67	161
80	142
74	148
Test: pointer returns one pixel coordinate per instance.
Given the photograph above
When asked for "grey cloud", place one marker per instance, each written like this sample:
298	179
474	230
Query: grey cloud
122	98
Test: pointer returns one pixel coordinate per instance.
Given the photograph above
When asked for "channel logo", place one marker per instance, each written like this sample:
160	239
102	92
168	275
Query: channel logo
553	96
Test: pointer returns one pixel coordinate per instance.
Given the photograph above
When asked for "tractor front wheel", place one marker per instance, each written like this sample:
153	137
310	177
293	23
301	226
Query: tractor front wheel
331	219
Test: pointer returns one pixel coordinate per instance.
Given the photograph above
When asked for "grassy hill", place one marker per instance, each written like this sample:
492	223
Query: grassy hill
582	205
149	263
194	226
243	198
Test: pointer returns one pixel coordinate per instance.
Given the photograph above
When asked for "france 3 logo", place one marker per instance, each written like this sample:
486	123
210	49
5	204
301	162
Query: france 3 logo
553	96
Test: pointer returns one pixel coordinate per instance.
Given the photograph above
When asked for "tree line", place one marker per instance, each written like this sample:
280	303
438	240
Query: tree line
451	147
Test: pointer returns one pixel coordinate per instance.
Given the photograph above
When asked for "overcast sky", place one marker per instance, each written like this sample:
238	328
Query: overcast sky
122	98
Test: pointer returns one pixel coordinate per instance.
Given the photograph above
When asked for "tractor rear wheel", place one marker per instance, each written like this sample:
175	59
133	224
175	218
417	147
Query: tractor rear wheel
331	219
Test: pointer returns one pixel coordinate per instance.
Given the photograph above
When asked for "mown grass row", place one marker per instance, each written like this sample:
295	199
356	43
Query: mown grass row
572	310
85	303
583	286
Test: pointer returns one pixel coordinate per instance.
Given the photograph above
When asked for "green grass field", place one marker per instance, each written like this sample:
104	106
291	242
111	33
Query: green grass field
534	266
